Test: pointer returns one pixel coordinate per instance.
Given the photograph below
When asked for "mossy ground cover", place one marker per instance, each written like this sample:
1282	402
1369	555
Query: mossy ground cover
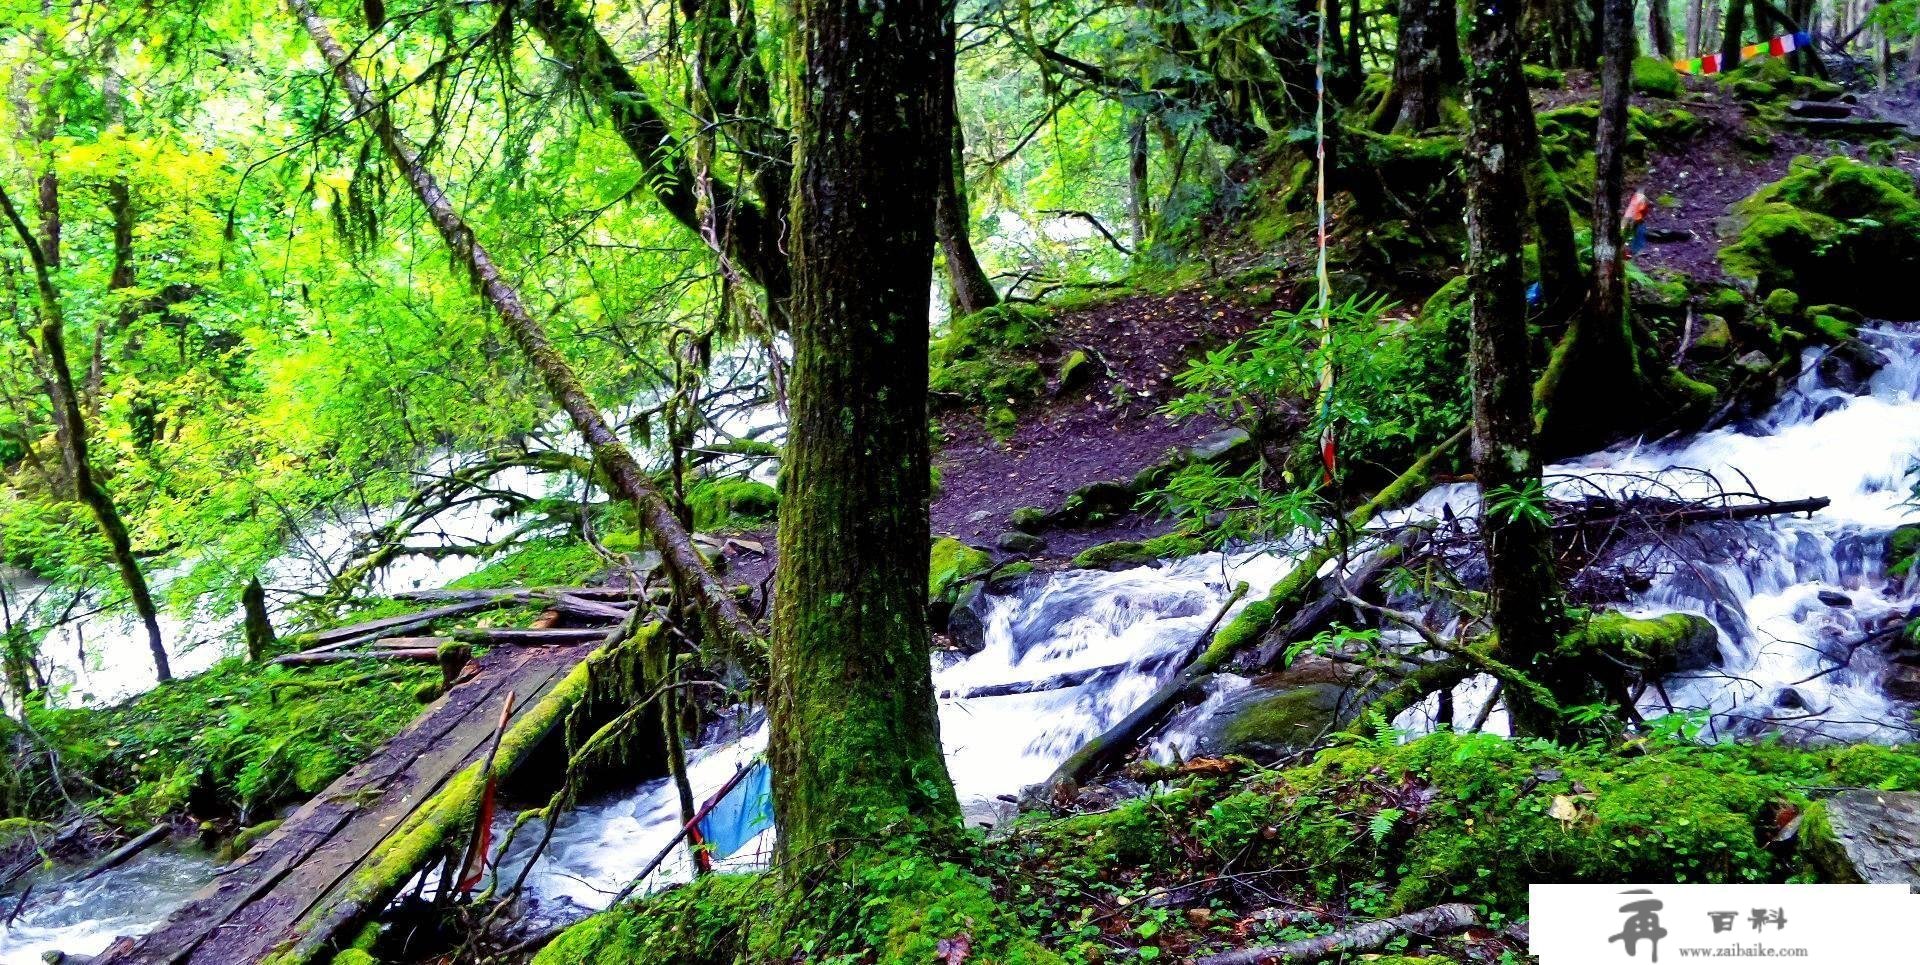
232	744
1368	829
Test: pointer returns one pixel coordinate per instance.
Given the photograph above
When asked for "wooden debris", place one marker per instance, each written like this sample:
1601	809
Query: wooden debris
1370	937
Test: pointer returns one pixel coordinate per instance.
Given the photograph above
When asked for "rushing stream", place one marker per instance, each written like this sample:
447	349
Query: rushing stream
1790	597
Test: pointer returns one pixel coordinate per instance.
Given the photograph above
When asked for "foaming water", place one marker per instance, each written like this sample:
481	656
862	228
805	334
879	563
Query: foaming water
1124	630
83	918
1795	599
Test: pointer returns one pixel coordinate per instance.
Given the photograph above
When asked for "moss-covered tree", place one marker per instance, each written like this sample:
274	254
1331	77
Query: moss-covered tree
855	738
1523	588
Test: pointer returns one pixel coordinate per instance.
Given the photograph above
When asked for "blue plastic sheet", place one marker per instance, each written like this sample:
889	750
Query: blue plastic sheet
739	817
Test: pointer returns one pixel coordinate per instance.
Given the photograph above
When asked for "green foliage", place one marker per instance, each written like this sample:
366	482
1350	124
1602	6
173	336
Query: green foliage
731	503
237	741
542	562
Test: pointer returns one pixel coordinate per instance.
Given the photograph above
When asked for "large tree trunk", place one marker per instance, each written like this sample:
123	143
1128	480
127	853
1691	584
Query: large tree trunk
1696	11
1426	62
953	217
753	240
71	427
625	475
855	741
1523	588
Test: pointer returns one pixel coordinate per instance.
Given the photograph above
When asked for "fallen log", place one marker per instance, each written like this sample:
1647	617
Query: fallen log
1663	512
394	626
341	656
519	594
1372	936
1059	681
1289	599
581	606
125	852
529	638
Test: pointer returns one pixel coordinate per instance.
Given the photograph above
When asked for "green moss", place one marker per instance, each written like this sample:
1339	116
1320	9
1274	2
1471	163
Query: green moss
1285	721
245	840
892	905
1010	574
1833	230
1655	77
952	562
355	956
241	739
1074	370
1664	643
987	357
541	562
1028	519
1136	553
731	503
1543	77
1002	422
1903	545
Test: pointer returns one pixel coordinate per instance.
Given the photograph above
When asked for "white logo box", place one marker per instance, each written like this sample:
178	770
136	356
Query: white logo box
1588	924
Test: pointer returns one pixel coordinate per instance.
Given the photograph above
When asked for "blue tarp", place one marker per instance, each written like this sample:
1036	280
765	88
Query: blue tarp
739	817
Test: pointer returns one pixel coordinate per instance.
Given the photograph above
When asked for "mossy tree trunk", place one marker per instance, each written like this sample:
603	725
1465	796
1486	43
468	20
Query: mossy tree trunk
1523	588
1730	38
1598	359
953	216
1557	35
1660	28
855	741
1426	64
70	426
1139	200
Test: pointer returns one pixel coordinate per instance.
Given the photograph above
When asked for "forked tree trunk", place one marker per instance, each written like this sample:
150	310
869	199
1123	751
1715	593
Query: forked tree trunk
1426	62
1523	588
71	427
1660	26
855	739
689	570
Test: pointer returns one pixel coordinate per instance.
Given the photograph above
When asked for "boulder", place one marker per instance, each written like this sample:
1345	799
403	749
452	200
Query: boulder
1095	502
1014	541
1850	365
1269	724
967	622
951	563
1865	836
1902	681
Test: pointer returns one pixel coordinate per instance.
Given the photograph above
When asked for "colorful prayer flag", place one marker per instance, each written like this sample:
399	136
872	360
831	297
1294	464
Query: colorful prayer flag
739	816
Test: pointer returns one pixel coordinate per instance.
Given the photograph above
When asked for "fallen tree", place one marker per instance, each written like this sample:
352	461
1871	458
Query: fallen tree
1370	937
628	478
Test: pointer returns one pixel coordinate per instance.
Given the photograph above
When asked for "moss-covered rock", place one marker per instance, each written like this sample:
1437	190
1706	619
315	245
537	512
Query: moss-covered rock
1542	77
732	502
1832	231
1271	725
1671	643
1655	77
952	562
1770	80
1028	519
988	357
1125	553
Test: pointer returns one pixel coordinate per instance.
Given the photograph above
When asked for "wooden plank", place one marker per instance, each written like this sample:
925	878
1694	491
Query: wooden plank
255	903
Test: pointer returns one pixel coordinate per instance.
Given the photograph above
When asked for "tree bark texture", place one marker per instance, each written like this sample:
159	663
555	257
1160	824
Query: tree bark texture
855	741
1730	38
1660	27
1426	62
625	474
1523	588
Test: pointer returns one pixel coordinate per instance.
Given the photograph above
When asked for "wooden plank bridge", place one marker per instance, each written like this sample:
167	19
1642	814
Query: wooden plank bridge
281	893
